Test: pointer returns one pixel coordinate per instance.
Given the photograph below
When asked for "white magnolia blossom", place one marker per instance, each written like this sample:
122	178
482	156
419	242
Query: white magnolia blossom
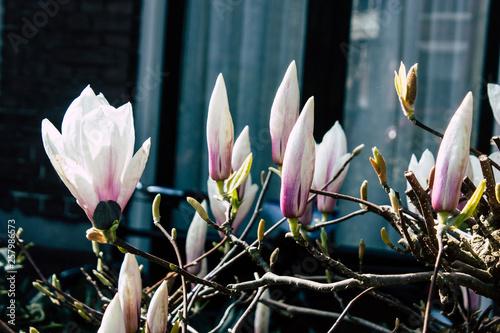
93	152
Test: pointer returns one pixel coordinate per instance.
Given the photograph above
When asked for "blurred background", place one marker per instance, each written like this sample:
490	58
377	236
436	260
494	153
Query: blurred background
164	57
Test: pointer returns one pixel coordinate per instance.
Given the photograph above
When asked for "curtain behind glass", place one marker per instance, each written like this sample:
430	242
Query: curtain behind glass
447	40
251	43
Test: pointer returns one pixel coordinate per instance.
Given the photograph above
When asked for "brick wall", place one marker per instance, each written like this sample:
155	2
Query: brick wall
52	49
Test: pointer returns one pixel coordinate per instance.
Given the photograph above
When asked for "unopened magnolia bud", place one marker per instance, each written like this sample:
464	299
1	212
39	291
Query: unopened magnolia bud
363	193
102	278
497	191
198	207
262	177
431	177
274	257
362	247
55	281
411	93
95	247
385	237
33	330
261	230
394	202
174	233
83	315
324	238
358	150
42	289
156	208
378	164
78	305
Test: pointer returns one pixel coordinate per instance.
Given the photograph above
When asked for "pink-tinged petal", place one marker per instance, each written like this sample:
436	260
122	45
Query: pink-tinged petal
157	317
453	158
101	152
113	320
298	164
327	204
83	104
306	219
130	291
329	151
195	240
246	204
220	133
78	182
133	173
284	113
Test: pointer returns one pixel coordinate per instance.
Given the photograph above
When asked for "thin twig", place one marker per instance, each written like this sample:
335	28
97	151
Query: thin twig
172	241
318	226
320	313
192	278
248	310
344	313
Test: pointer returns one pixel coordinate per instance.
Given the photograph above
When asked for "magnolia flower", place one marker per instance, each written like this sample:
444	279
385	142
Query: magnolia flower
220	133
245	203
406	87
113	320
157	317
421	169
195	240
331	154
298	164
93	153
246	191
130	292
453	158
284	113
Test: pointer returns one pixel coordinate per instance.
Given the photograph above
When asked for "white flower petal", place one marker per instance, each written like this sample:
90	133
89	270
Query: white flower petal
101	152
78	182
113	320
133	173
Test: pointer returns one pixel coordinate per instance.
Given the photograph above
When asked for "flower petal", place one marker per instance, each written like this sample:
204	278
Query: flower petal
284	113
133	173
113	320
101	153
83	104
130	291
220	132
157	317
78	182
